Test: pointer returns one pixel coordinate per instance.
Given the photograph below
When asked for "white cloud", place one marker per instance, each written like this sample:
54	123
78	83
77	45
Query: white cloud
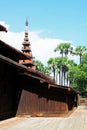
42	48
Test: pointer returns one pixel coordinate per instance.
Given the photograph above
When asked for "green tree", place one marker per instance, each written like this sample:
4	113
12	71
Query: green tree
64	49
59	69
66	64
40	67
52	63
63	70
80	78
84	58
60	48
47	70
79	51
72	70
67	49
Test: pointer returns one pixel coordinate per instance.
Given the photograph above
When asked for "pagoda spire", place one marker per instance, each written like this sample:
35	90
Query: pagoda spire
26	25
26	49
27	22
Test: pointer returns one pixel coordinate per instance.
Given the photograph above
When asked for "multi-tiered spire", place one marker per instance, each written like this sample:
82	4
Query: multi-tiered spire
26	49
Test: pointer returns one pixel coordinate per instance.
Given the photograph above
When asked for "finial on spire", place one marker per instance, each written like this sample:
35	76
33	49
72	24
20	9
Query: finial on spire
26	22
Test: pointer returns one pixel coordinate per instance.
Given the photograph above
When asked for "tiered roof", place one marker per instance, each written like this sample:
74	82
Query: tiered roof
26	49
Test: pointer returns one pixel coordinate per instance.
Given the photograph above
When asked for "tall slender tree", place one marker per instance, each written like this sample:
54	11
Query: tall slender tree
64	49
79	51
60	48
59	69
64	69
71	70
52	63
67	49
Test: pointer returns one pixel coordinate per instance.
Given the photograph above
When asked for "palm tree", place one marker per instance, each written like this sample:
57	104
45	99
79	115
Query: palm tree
64	69
52	63
64	65
80	51
70	64
60	48
59	69
64	48
67	49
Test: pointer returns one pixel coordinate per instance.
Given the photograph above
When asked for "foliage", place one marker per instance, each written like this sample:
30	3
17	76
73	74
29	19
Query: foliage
65	71
77	74
78	78
52	63
79	51
40	67
64	49
84	59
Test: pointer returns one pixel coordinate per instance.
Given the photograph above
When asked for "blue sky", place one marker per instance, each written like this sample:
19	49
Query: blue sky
56	19
65	19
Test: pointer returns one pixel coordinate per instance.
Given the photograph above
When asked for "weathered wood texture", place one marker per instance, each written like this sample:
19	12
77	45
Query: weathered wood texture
27	95
9	91
39	100
34	105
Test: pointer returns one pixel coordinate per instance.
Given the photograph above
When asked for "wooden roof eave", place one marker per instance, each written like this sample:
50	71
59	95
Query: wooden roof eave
2	28
33	76
6	49
36	74
12	63
50	83
69	90
23	70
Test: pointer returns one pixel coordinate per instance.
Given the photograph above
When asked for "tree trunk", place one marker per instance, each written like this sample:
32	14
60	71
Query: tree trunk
67	79
56	77
64	78
54	73
59	78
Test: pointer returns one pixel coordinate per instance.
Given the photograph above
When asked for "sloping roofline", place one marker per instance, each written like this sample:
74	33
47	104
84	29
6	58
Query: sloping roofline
11	56
11	52
2	28
23	70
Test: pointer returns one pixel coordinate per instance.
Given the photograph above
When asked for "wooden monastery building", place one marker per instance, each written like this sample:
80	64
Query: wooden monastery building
26	92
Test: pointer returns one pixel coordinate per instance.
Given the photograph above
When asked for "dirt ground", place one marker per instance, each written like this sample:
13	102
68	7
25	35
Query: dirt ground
76	121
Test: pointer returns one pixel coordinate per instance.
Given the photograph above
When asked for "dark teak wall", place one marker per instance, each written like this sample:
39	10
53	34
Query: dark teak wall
9	91
39	100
